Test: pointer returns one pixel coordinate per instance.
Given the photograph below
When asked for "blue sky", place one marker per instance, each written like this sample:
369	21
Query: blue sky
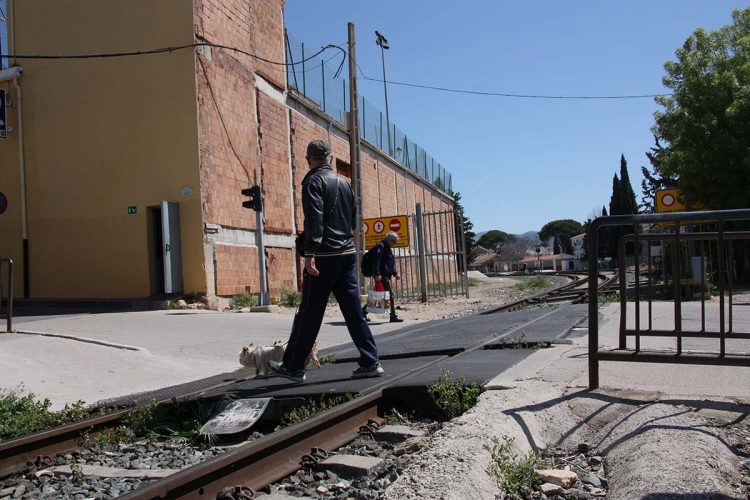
519	163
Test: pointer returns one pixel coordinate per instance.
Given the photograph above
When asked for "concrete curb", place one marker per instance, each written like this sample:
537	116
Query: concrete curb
82	339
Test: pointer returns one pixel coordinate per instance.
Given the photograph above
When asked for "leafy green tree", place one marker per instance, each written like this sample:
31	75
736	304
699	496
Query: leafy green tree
628	205
561	230
704	124
495	240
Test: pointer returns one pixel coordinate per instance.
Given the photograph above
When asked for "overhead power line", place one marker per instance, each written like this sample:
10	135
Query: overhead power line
507	94
162	50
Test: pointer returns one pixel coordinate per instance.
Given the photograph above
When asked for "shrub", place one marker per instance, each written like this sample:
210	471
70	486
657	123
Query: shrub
453	396
290	298
514	473
244	300
22	414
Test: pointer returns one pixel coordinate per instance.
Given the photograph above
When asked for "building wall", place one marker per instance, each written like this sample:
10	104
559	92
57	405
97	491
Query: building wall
102	135
193	127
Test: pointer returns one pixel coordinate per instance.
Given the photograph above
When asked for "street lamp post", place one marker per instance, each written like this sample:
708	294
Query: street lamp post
383	44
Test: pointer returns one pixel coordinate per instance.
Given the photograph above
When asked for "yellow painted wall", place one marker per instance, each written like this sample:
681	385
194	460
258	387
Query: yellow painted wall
10	220
101	135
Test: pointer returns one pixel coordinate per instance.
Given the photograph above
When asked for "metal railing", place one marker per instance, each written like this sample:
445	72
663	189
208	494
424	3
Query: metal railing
320	85
8	315
696	257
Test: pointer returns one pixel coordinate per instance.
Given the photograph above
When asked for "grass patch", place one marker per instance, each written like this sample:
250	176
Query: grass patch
535	283
453	396
474	281
244	300
515	473
327	360
313	407
290	298
22	414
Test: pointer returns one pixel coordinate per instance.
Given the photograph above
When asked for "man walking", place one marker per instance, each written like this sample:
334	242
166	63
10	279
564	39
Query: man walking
384	268
330	264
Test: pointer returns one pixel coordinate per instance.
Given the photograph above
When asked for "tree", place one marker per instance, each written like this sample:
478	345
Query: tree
561	230
705	121
628	205
468	235
495	240
654	180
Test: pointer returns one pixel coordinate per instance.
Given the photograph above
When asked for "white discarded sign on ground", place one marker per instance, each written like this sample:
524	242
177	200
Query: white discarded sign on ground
238	416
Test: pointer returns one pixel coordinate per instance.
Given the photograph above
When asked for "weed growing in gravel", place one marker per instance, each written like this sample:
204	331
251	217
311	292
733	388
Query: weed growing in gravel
514	473
608	298
532	284
313	407
474	281
327	360
453	396
244	300
395	417
22	414
290	298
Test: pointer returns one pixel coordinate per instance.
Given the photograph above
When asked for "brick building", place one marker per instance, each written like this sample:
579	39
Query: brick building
123	175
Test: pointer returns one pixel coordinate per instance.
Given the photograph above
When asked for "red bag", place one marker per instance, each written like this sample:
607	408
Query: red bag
379	286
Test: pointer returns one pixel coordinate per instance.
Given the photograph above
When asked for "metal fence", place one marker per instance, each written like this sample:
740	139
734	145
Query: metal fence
7	265
317	81
696	259
434	263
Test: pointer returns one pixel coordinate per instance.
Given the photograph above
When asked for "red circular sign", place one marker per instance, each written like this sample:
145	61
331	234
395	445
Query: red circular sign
378	226
668	200
395	225
3	203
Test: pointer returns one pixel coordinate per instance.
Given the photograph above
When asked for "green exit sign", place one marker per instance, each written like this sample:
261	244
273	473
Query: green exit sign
132	209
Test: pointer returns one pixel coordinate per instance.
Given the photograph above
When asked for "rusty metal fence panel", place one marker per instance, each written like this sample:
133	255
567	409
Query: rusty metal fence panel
6	303
696	257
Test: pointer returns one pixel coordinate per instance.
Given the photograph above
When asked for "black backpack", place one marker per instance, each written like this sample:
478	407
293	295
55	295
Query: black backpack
368	262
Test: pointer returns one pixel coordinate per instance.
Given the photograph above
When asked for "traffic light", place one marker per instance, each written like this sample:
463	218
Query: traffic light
256	201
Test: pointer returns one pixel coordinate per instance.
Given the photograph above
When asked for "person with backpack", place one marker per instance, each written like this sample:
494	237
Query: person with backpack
382	267
330	265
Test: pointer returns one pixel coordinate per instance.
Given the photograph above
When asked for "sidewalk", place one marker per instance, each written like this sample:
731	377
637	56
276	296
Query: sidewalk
105	355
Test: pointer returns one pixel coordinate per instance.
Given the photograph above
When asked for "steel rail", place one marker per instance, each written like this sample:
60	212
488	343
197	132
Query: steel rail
16	453
272	457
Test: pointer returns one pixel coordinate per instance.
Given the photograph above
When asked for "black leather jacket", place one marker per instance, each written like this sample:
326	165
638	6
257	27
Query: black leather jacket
330	214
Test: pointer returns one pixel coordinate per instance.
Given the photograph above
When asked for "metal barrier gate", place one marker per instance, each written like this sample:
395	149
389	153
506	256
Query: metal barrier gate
696	254
8	315
434	264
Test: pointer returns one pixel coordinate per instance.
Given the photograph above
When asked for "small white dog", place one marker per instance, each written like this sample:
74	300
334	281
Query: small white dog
257	358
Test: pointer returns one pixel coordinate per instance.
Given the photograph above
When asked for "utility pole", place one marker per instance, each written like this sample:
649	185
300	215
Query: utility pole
354	147
383	44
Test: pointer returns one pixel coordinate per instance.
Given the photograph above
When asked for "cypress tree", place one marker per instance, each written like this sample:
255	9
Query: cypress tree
628	204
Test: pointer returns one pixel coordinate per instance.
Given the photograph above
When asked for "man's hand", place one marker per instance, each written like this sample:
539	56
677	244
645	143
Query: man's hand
398	278
310	266
377	277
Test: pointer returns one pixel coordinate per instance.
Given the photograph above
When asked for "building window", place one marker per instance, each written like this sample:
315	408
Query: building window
343	168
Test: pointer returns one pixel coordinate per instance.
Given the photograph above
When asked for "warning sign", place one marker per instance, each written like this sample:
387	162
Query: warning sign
375	230
670	200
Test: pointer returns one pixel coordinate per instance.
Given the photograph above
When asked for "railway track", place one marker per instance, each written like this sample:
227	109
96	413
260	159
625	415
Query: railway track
259	463
575	292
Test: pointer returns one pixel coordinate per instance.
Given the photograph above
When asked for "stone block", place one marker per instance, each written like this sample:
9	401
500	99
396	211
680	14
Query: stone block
350	466
564	478
397	433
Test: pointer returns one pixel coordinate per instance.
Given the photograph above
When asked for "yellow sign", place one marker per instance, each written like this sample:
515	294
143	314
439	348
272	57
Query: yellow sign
375	230
670	200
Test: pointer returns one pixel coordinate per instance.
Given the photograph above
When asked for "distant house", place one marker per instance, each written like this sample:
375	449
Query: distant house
579	241
483	260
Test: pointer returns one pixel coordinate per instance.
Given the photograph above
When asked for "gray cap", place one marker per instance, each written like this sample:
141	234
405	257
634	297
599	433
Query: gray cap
318	149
